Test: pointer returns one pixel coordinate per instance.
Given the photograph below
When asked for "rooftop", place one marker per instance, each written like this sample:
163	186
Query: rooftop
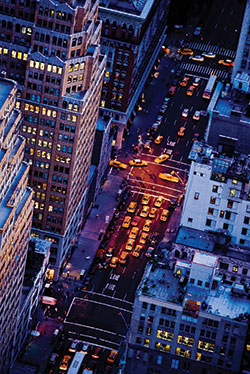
5	88
195	238
132	7
203	258
225	300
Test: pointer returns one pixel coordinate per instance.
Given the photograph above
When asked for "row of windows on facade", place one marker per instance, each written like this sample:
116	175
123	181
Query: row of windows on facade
234	268
46	144
47	155
18	28
50	101
51	13
57	168
50	134
53	52
20	14
48	112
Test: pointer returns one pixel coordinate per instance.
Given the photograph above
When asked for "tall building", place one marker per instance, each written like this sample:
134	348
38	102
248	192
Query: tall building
241	71
16	209
53	47
133	33
187	319
218	195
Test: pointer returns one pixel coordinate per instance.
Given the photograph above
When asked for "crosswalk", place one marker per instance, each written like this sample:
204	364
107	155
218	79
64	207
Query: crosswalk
207	47
203	70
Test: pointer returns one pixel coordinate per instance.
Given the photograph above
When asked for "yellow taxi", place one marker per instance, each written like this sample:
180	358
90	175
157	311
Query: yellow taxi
65	363
161	158
185	51
144	211
117	164
159	200
152	213
147	225
130	244
164	215
126	222
190	90
136	252
159	139
143	238
146	199
112	357
168	177
133	233
113	262
138	162
132	206
123	257
181	131
227	62
184	82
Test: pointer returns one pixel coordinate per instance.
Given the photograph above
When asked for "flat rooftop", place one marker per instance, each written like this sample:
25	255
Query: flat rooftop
195	238
132	7
207	259
163	285
5	88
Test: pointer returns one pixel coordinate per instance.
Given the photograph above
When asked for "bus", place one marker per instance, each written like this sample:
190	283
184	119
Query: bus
209	87
76	363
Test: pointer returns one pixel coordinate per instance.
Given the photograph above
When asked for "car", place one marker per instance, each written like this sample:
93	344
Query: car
118	164
196	137
152	212
164	215
144	211
112	357
129	245
143	238
154	238
209	54
53	358
104	264
149	252
147	225
159	119
181	131
184	82
172	90
226	62
160	159
138	162
159	201
185	112
109	252
65	363
197	58
74	345
136	252
113	262
133	233
159	139
123	257
126	222
166	100
190	90
96	352
197	115
146	199
87	371
168	177
197	31
179	200
155	126
132	206
85	348
186	51
135	221
163	108
196	82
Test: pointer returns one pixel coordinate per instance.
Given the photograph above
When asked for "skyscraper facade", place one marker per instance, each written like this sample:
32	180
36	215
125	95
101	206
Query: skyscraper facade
133	33
56	44
16	207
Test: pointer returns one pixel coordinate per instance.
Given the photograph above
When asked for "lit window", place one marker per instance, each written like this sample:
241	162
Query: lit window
23	29
234	181
37	64
232	192
5	51
102	103
82	66
29	30
49	67
107	74
74	118
235	269
31	63
42	65
71	68
54	113
54	68
19	55
222	213
13	53
76	67
59	70
25	56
